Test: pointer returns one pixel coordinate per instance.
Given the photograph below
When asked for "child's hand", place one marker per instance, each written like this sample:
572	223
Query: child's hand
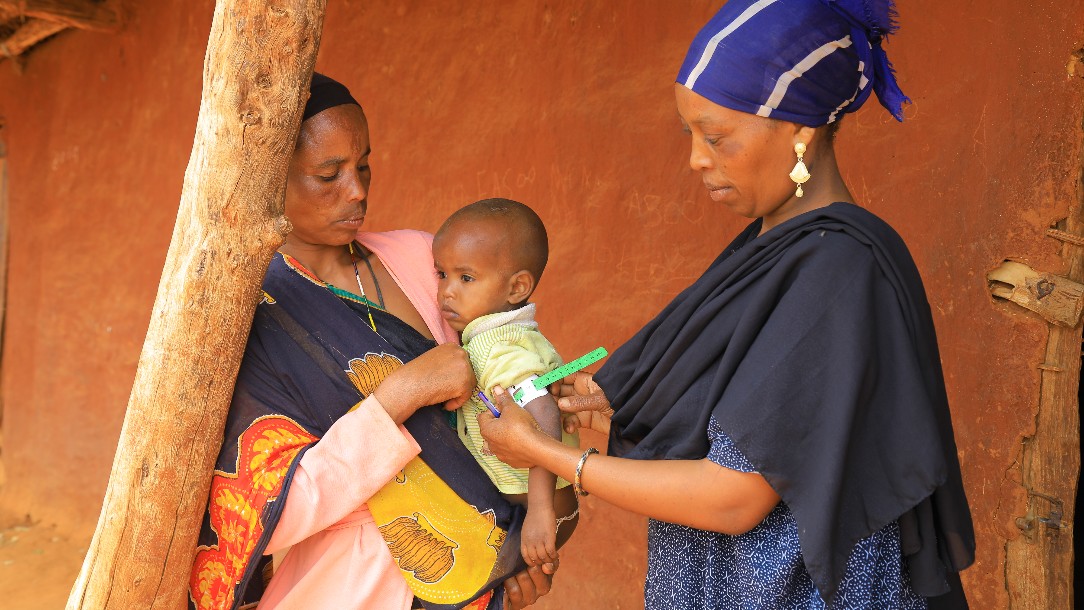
538	540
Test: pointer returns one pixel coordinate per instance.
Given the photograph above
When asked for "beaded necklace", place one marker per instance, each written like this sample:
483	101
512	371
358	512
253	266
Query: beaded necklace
361	290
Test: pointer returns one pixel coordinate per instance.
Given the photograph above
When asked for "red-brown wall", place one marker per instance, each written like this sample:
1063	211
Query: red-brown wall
567	106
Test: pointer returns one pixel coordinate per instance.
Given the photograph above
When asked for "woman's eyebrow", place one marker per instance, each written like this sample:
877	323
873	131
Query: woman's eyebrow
332	162
705	119
337	161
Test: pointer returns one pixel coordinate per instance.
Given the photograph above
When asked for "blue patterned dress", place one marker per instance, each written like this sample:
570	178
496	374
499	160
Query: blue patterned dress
762	569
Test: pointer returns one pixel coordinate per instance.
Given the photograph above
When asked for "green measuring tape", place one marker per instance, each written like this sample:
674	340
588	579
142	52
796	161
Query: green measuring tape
538	385
565	370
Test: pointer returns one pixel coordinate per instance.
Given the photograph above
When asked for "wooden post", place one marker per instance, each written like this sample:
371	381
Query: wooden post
3	244
255	82
3	278
1039	562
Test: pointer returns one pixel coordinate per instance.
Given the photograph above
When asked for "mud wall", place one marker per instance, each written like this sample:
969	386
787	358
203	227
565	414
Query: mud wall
567	106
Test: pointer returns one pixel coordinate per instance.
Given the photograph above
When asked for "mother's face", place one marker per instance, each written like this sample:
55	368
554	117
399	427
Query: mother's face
328	181
744	159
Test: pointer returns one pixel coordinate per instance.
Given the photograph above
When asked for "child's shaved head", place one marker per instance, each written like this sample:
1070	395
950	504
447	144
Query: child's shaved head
525	242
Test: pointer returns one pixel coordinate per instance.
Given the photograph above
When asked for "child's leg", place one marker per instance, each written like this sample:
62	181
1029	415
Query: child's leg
538	542
539	537
567	508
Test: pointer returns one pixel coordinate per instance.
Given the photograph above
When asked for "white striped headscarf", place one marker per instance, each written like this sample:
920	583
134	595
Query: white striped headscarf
804	61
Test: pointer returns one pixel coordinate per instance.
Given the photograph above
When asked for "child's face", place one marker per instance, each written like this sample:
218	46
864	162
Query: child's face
474	277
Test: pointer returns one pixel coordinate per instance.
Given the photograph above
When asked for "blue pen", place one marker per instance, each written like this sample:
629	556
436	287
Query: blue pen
489	405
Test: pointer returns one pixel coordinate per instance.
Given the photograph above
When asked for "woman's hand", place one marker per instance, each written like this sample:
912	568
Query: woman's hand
579	397
525	588
440	375
514	436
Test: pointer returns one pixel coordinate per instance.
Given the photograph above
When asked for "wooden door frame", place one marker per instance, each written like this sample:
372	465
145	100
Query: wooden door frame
1039	562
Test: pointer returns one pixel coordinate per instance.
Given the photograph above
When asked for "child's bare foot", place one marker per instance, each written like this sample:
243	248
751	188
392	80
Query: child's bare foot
538	540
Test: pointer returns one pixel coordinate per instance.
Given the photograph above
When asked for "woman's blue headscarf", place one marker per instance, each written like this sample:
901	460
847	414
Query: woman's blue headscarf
804	61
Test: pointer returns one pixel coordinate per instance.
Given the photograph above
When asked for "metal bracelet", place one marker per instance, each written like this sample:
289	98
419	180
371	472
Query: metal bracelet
579	471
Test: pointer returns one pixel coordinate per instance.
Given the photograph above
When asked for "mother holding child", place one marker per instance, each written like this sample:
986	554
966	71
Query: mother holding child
783	422
332	460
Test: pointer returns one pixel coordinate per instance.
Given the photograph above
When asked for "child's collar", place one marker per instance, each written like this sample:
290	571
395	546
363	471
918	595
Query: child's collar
521	315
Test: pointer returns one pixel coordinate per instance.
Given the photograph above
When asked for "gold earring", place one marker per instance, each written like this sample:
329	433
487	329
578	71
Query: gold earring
800	174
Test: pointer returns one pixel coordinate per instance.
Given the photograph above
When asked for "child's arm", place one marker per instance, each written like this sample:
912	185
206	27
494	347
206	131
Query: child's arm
539	536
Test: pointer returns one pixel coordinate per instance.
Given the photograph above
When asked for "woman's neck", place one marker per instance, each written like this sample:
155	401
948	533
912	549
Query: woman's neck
324	261
825	188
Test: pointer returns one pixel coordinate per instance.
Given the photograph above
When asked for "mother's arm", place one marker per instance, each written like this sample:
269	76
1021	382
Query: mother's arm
365	448
696	493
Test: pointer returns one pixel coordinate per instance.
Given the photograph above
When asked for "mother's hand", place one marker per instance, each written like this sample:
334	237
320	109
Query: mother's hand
440	375
516	436
579	397
525	588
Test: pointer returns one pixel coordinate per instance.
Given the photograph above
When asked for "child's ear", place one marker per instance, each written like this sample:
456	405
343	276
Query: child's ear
520	286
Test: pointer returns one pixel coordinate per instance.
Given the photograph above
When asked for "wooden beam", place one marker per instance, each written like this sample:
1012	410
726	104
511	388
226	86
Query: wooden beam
83	14
3	258
29	34
3	279
3	237
256	71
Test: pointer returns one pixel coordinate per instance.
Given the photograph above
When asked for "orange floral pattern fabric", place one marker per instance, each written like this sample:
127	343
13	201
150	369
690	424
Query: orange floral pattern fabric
266	450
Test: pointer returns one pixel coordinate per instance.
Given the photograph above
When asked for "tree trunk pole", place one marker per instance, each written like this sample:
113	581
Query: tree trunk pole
259	60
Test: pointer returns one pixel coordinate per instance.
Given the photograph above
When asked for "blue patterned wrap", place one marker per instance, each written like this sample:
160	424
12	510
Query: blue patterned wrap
763	569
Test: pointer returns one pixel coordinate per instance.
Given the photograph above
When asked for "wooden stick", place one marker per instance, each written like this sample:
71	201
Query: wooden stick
83	14
29	34
259	61
7	12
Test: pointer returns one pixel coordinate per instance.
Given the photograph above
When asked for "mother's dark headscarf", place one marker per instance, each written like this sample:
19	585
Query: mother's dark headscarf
804	61
324	93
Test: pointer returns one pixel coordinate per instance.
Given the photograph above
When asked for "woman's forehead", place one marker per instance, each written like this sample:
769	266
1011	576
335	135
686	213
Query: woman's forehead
337	130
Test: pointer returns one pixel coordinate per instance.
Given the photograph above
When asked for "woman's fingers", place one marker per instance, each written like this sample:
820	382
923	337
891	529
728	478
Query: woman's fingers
593	416
439	375
540	581
511	437
575	421
585	384
454	403
570	423
449	376
459	374
576	383
517	596
579	393
576	404
502	400
525	588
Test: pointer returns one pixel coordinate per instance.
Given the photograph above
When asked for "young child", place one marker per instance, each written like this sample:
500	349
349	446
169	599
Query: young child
489	257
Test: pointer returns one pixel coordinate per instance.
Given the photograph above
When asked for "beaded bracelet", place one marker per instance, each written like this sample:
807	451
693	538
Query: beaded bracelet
579	471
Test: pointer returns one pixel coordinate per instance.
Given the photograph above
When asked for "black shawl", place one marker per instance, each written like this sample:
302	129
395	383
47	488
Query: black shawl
814	348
